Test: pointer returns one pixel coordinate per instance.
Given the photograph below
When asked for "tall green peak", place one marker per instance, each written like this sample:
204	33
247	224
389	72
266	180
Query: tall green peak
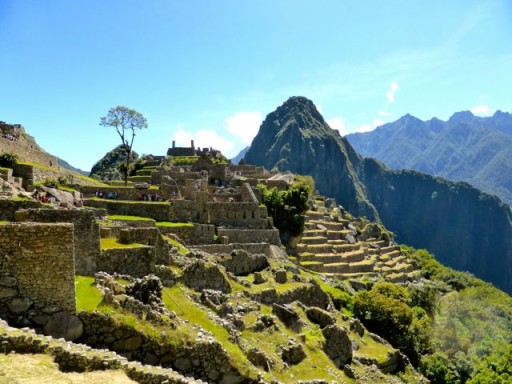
296	138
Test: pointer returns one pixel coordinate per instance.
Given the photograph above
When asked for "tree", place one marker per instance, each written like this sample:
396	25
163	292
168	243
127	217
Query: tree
125	121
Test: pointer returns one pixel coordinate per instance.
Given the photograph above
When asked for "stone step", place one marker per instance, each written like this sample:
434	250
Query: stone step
354	256
313	266
362	266
319	248
338	234
313	240
329	225
314	232
390	248
377	243
394	261
337	268
337	242
314	215
324	258
342	248
392	255
397	278
403	268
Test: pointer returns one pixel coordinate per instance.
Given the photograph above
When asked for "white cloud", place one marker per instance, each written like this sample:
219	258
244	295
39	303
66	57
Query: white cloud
337	123
204	138
364	128
384	113
244	125
377	123
390	94
481	110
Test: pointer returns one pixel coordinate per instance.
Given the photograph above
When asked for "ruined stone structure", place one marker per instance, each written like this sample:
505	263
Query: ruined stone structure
37	274
86	233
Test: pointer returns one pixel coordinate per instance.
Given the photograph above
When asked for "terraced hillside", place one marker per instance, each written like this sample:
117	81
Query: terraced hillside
332	245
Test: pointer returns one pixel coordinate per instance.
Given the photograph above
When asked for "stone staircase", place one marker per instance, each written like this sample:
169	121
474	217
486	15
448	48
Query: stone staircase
330	245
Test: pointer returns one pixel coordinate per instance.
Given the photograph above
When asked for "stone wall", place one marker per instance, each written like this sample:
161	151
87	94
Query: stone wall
240	214
137	261
86	233
177	211
255	248
123	193
236	235
9	207
196	234
82	358
37	264
147	236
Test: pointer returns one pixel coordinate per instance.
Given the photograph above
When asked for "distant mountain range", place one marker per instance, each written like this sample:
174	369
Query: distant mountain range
467	229
240	156
468	148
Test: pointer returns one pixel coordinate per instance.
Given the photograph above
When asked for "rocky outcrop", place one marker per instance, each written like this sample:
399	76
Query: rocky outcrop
337	345
205	275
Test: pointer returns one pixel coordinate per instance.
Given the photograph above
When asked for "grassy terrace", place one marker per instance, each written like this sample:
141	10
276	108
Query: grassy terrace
170	224
112	243
128	218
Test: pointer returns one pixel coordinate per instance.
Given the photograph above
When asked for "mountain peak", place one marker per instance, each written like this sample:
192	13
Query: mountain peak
461	117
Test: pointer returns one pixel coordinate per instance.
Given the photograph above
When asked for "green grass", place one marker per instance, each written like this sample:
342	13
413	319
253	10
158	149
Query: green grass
177	300
128	218
170	224
181	249
4	169
88	297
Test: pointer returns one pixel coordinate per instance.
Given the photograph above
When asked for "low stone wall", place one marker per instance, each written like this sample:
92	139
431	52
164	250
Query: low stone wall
123	193
147	236
255	248
9	207
82	358
196	234
204	358
37	265
177	211
137	262
236	235
86	233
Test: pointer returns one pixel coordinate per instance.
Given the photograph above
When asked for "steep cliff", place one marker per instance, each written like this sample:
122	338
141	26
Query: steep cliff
466	228
296	137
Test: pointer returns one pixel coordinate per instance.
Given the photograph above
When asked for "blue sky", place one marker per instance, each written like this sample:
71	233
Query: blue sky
212	70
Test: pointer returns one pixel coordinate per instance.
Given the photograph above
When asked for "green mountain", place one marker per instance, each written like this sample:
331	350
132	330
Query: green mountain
466	228
109	166
464	148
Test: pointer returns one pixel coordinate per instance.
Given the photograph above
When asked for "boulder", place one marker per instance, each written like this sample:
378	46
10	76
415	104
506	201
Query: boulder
293	353
337	345
127	344
19	305
288	316
64	325
241	263
320	317
6	293
203	275
357	327
281	276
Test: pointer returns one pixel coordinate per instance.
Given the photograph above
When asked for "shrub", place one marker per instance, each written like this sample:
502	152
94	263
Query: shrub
8	160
